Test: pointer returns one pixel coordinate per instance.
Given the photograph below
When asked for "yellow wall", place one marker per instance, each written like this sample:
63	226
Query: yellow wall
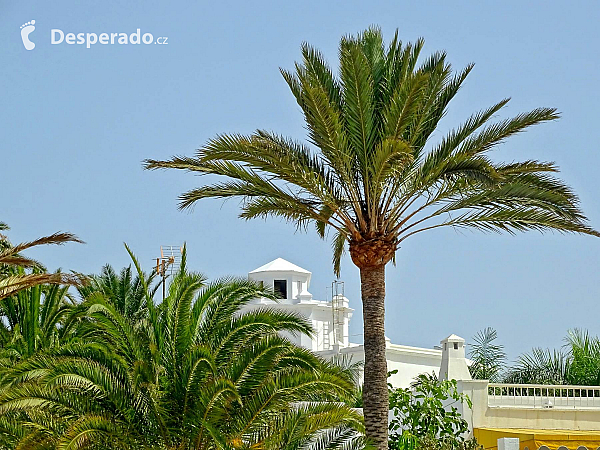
534	439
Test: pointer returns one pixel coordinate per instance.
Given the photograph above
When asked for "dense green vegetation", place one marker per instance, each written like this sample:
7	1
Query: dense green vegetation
112	368
377	171
576	363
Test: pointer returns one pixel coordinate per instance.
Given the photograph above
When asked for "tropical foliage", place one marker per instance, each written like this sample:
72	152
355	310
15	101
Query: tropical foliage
128	291
202	369
576	363
31	321
426	416
488	359
373	176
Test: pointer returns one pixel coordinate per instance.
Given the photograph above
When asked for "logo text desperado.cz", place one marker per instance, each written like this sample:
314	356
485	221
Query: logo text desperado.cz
89	39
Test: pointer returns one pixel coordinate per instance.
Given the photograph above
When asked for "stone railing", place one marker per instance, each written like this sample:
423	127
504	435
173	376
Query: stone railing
543	396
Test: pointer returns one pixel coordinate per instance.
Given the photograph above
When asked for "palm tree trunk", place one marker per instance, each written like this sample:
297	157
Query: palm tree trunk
375	389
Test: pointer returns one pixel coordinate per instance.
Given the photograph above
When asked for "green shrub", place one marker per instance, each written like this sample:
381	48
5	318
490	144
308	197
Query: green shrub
425	417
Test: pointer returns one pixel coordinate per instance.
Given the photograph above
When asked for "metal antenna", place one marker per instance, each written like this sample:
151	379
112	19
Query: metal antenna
337	297
168	263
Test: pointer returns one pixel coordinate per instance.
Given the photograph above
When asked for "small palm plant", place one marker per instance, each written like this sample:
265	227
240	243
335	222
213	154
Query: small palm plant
374	176
584	355
488	359
540	366
576	363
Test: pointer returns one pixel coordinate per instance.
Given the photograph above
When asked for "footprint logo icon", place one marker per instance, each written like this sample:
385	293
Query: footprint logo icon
26	30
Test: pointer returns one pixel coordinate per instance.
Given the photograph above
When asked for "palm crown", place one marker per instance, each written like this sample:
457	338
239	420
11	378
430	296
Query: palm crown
372	179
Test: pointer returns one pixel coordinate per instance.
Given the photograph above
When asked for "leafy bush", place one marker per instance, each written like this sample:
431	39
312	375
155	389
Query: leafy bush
425	416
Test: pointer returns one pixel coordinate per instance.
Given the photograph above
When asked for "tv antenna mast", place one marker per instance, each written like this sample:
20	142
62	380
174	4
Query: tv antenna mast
168	263
337	299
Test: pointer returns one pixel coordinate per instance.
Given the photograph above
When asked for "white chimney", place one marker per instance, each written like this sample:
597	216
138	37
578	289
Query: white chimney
454	364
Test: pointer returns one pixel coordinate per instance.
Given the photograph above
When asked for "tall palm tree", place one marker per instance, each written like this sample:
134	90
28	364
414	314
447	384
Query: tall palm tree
199	375
10	259
375	178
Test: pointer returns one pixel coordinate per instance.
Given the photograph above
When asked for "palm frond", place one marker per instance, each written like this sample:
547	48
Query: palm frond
540	367
12	284
53	239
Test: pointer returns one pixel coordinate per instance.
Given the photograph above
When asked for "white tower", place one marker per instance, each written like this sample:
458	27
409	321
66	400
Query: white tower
292	283
454	364
288	279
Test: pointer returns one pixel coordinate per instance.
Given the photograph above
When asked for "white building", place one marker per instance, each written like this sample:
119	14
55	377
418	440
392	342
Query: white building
330	320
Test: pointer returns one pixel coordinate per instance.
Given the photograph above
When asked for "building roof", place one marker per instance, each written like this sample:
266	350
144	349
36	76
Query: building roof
453	338
281	265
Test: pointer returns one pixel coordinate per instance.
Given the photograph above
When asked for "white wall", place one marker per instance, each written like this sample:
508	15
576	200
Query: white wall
409	361
319	315
484	416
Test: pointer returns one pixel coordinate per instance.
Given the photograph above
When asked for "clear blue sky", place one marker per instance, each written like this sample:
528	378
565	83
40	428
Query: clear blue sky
77	122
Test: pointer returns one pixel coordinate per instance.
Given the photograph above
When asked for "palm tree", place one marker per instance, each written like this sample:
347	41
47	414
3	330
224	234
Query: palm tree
199	374
375	178
584	358
10	260
576	363
488	358
540	366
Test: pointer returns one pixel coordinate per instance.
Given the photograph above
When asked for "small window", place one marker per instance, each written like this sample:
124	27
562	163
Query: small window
280	287
261	284
456	346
